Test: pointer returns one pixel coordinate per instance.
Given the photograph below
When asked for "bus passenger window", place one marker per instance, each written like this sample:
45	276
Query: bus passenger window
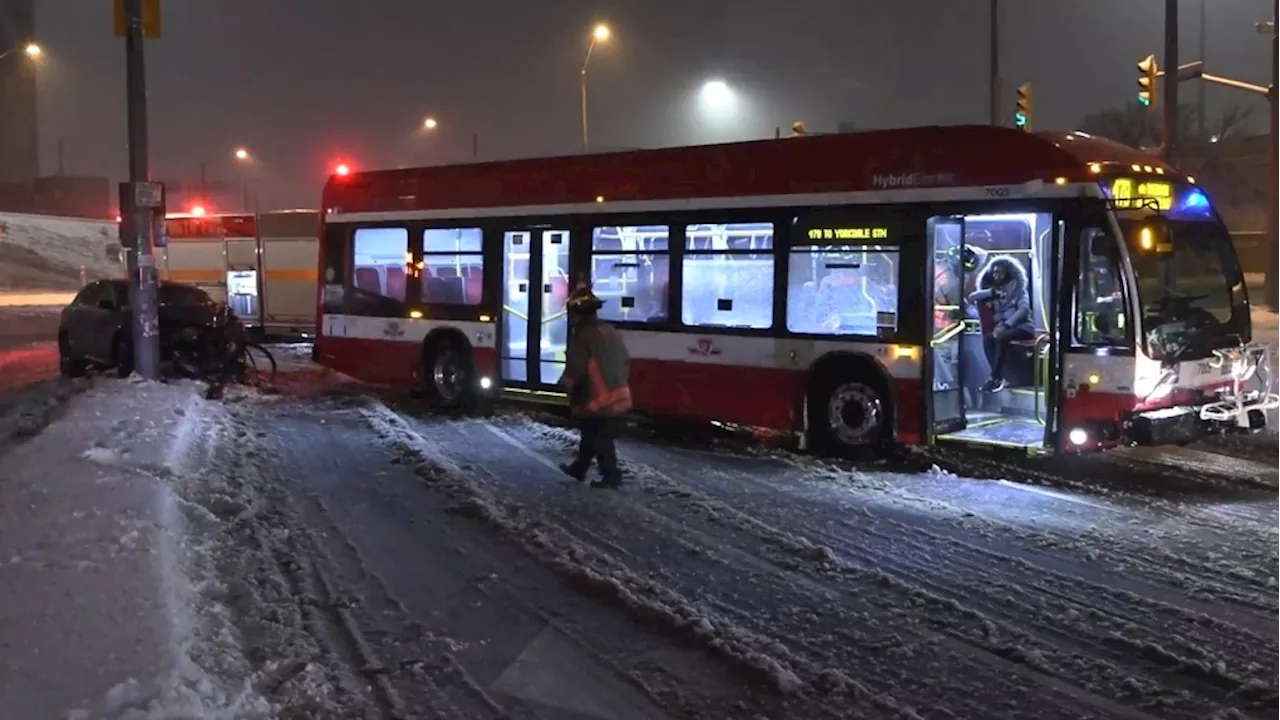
379	261
843	290
452	269
335	264
1099	292
629	272
728	276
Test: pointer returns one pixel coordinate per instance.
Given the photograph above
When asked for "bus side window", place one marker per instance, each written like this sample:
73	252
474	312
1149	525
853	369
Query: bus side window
1099	292
333	280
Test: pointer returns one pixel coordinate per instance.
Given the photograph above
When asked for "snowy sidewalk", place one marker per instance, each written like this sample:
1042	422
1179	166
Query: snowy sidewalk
95	571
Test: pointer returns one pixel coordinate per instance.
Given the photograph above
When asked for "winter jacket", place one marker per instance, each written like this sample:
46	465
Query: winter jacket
1010	303
597	371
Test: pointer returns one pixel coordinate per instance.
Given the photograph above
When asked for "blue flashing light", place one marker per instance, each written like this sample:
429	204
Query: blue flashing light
1195	199
1194	204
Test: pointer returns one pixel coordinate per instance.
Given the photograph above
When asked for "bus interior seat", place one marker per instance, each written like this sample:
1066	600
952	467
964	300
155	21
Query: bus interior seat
367	279
473	286
396	282
445	290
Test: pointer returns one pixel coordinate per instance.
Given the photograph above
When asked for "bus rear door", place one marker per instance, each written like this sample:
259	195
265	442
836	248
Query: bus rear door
533	334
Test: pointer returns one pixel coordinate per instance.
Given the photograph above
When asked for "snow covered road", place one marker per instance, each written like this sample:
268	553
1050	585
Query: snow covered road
320	554
778	585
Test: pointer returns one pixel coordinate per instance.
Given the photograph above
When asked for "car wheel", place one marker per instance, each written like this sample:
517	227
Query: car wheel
122	357
68	365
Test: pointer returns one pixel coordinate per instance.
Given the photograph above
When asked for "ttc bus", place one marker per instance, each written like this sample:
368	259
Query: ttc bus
817	286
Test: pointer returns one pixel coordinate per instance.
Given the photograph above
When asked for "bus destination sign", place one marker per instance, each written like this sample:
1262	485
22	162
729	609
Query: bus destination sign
1127	192
848	234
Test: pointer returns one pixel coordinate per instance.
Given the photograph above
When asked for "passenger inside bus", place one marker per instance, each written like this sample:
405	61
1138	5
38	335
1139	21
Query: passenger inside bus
1000	400
1003	290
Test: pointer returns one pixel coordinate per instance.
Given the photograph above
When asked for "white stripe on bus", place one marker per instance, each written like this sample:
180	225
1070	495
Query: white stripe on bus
753	351
409	330
1029	190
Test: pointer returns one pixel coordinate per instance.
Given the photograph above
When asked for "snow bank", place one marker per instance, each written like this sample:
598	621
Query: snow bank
129	584
94	574
38	252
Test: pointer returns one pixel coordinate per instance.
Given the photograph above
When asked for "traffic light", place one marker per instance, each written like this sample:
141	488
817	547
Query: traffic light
1022	117
1147	72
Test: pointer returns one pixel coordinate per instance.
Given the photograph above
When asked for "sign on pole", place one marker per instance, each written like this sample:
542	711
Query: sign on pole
150	19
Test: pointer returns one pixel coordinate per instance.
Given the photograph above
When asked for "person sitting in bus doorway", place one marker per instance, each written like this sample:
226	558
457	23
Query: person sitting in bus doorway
596	376
1002	285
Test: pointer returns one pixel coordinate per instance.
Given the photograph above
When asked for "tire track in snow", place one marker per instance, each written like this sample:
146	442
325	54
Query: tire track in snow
917	560
828	608
1060	597
643	596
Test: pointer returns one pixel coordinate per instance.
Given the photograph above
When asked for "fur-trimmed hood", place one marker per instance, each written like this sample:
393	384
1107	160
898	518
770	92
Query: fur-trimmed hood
1018	281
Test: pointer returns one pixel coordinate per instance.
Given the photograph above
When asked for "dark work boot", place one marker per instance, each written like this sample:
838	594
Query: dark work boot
573	472
609	482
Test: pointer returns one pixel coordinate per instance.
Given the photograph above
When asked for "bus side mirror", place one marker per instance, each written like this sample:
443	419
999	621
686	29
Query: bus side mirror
1156	236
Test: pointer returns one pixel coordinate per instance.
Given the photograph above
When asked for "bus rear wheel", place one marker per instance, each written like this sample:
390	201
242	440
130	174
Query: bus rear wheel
850	415
448	374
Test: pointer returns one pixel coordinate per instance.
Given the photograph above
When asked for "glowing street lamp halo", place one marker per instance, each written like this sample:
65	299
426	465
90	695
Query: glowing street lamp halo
716	93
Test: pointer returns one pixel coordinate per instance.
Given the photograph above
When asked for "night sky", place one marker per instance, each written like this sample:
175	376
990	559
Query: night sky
300	82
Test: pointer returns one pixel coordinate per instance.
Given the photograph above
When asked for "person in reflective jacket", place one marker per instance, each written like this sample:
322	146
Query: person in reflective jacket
596	375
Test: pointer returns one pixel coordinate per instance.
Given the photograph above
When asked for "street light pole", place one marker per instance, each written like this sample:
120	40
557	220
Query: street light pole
1271	286
994	63
1202	127
599	34
1169	102
142	271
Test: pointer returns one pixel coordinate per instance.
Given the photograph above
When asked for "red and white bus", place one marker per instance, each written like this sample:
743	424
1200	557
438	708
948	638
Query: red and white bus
813	285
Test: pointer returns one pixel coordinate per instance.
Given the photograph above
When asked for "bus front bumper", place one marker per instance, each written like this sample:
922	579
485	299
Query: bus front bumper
1185	424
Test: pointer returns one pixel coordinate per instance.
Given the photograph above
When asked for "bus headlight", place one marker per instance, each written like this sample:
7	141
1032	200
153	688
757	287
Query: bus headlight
1078	436
486	383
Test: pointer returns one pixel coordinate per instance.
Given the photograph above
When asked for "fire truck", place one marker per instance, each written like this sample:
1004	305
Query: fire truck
834	287
262	265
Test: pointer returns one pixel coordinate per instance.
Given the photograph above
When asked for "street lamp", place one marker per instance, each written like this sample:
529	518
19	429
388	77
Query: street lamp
32	50
246	159
430	124
716	95
599	34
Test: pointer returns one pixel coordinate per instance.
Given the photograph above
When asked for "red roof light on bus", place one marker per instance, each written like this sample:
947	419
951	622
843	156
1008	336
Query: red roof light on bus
198	210
342	170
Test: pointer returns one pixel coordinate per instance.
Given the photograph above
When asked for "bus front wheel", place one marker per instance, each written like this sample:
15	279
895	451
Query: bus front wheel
850	414
448	374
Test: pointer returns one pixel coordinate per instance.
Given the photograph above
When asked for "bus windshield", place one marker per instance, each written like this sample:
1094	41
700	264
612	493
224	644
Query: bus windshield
1190	288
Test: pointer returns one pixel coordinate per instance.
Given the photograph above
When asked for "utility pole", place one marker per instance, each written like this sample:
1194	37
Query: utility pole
1169	101
1201	127
145	198
994	63
1271	288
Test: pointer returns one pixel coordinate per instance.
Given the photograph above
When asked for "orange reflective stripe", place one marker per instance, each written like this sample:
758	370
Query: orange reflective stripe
602	397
